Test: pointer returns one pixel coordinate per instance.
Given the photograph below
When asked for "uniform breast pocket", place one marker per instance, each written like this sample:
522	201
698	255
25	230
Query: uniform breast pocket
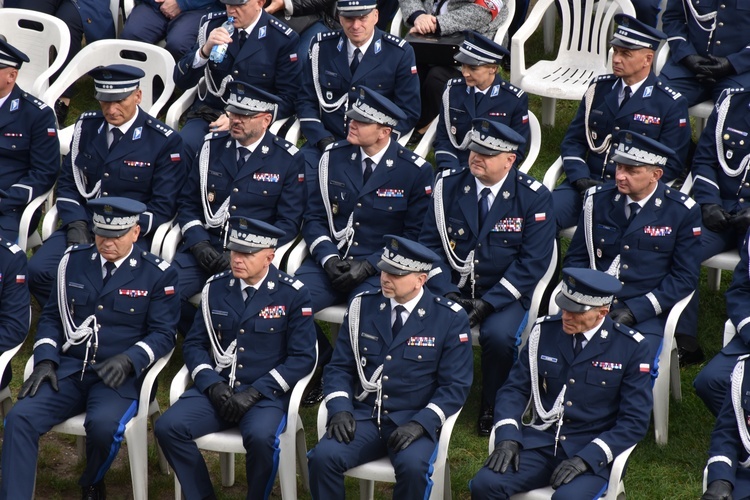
267	192
383	83
77	295
420	354
270	335
548	369
222	321
216	181
14	146
458	229
656	243
604	379
390	204
331	81
130	172
131	305
606	235
259	73
600	124
88	163
369	344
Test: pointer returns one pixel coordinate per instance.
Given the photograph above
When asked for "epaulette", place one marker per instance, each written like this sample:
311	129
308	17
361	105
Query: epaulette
681	197
336	145
603	78
157	261
79	247
672	93
216	135
730	91
164	129
397	41
90	114
290	280
367	292
218	276
453	306
288	146
629	332
10	246
328	35
280	26
551	317
447	172
411	156
512	89
34	100
529	181
602	188
219	14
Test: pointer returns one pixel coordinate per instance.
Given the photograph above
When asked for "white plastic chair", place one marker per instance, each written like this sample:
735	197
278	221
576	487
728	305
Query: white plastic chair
568	76
381	469
293	449
6	402
158	63
37	40
729	332
26	240
669	368
615	477
534	147
136	429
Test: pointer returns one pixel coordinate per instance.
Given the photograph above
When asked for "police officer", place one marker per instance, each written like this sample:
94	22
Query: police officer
14	300
481	93
648	234
176	23
729	452
720	176
253	342
366	186
587	378
712	383
492	227
112	314
402	364
632	98
707	48
245	170
339	62
262	52
29	149
121	151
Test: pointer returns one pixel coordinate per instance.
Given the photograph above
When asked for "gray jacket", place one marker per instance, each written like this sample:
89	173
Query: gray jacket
462	15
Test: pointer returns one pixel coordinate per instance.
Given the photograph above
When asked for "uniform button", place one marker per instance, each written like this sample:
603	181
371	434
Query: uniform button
271	329
105	193
563	438
388	358
359	205
476	261
136	177
742	200
656	247
604	382
237	383
100	308
234	207
721	24
609	176
242	349
479	245
718	42
505	241
747	184
236	72
385	396
569	403
601	240
624	266
93	361
385	412
385	378
626	247
235	190
356	224
601	464
240	367
354	88
572	381
356	243
132	310
106	174
364	349
265	192
242	332
615	301
419	356
617	128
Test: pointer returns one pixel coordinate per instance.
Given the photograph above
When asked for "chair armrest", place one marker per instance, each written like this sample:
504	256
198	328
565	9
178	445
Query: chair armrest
517	43
296	256
425	144
170	243
28	214
536	144
159	235
396	23
553	174
179	384
181	105
49	224
148	383
322	418
275	126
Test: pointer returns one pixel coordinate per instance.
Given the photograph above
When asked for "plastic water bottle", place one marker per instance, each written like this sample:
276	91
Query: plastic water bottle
219	51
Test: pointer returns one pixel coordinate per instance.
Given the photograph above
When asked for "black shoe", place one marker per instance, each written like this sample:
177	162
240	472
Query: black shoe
61	112
94	492
314	396
688	358
485	421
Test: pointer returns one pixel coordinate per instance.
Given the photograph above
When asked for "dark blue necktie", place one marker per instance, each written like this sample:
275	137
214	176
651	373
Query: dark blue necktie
484	205
579	344
249	292
627	91
367	173
634	209
243	152
355	61
109	270
116	136
399	321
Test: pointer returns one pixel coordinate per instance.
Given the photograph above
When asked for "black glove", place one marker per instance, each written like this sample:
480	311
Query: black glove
218	393
455	297
480	309
624	316
718	490
235	407
696	63
208	257
741	220
335	267
78	233
359	270
45	370
715	218
718	67
404	435
324	142
567	471
115	370
584	184
505	453
342	427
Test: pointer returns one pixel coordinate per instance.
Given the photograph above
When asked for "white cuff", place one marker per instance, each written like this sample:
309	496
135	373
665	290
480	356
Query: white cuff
279	380
438	412
148	350
506	421
654	303
513	290
337	394
605	448
44	341
199	369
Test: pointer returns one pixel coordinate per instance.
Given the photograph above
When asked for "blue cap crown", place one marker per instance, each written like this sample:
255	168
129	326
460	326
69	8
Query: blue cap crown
114	215
477	50
11	57
402	256
634	34
371	107
251	235
583	289
115	82
636	149
492	138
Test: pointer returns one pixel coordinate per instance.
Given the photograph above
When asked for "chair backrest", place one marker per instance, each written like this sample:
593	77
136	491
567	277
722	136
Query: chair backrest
729	331
155	61
586	24
45	39
536	144
502	29
539	292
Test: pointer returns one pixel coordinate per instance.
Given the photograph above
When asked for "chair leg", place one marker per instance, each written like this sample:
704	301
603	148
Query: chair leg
548	111
7	402
163	464
366	489
550	18
674	376
714	278
81	447
287	464
138	458
226	460
301	449
177	488
661	406
447	493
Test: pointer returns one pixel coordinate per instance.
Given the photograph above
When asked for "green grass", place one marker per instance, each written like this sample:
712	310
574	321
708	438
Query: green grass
670	472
